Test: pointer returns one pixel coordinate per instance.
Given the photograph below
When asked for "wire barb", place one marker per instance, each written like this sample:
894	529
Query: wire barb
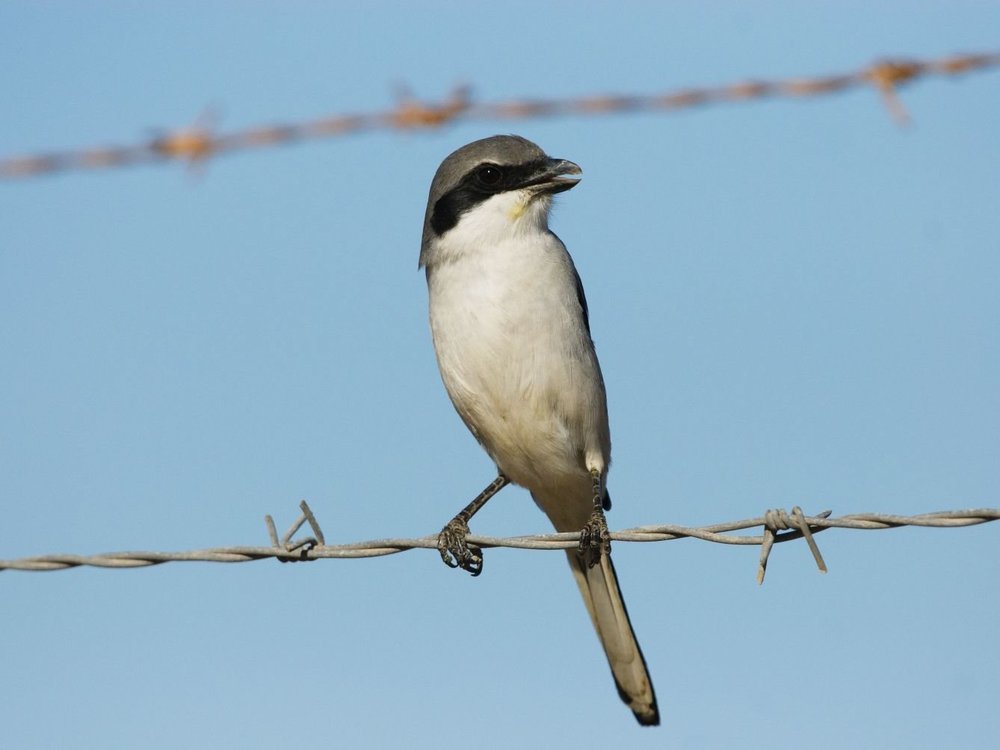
795	525
776	520
286	547
196	144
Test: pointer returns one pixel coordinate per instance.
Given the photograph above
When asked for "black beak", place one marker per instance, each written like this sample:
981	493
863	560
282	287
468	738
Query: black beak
555	177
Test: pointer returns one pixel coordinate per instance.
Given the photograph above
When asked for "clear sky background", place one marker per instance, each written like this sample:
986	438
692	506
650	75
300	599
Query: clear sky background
794	302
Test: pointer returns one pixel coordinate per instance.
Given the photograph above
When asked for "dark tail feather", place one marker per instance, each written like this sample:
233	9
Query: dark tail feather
599	587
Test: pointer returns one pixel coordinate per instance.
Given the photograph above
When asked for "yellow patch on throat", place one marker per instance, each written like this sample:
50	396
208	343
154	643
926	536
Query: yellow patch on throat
520	206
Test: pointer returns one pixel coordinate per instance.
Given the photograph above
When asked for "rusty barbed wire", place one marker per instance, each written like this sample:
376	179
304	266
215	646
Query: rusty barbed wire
778	526
199	142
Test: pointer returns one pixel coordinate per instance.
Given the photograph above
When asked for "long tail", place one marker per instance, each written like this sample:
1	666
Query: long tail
599	586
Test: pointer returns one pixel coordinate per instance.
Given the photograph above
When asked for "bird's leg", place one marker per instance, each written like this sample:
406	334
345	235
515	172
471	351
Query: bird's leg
595	539
455	551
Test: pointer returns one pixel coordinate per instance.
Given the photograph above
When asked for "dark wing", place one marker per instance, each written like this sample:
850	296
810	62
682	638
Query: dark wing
582	299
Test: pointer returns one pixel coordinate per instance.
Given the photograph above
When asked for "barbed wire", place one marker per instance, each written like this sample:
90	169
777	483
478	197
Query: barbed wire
778	526
199	142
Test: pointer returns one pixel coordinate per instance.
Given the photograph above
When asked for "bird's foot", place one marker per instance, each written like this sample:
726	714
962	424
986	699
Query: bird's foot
595	539
455	551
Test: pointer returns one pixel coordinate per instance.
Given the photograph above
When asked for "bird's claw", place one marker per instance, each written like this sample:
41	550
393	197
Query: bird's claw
455	551
595	538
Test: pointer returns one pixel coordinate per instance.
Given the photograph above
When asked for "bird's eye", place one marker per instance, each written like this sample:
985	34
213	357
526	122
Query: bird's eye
490	175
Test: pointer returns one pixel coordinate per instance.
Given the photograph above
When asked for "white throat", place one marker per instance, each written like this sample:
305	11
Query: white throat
516	215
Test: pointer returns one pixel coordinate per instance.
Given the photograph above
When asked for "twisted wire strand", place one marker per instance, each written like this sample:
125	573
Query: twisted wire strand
199	142
778	526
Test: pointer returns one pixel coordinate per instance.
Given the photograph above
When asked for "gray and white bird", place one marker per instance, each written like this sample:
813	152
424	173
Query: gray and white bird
512	336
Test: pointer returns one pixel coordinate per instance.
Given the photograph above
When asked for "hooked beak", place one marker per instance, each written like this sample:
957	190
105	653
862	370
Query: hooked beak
555	177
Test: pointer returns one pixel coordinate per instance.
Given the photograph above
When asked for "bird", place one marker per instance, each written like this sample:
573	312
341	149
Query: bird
511	332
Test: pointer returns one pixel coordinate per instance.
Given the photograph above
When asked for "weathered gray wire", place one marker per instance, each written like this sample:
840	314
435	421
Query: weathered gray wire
778	525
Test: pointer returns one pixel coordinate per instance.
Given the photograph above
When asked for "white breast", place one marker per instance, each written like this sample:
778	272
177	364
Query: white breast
512	346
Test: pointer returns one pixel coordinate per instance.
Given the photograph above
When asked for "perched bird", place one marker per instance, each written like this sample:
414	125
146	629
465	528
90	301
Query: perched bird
512	336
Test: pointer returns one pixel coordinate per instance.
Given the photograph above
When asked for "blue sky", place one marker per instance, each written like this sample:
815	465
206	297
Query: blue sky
794	302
